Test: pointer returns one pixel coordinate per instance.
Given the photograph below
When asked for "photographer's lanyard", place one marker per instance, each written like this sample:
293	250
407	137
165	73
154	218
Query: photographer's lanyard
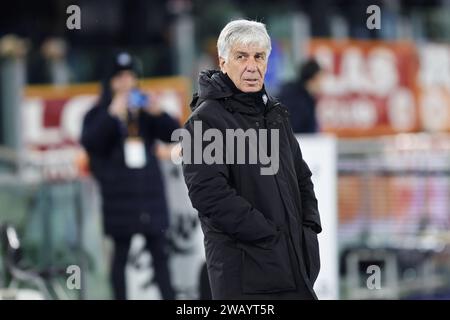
134	146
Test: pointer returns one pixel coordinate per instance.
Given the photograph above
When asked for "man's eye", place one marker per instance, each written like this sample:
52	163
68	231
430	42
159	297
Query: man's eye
240	57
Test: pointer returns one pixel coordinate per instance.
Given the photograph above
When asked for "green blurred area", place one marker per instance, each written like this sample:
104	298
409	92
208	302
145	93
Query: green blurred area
56	231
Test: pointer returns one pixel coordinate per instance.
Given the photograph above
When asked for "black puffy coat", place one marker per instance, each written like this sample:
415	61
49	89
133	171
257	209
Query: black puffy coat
260	231
133	200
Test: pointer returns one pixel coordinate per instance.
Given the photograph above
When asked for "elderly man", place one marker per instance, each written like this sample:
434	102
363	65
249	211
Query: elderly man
260	229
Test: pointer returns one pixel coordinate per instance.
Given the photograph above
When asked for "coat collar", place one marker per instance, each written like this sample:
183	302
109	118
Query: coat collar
215	85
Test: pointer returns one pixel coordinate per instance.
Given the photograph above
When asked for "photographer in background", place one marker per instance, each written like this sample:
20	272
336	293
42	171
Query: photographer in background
119	135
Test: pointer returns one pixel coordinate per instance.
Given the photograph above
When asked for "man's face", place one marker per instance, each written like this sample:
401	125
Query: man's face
246	67
314	85
124	81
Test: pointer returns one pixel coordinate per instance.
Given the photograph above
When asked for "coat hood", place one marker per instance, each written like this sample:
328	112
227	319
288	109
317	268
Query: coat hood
213	86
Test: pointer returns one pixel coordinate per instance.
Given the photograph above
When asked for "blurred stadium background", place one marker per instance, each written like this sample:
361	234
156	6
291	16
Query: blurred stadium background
384	114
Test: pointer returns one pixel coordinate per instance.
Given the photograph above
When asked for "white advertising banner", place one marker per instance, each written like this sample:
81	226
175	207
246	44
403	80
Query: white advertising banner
320	153
187	253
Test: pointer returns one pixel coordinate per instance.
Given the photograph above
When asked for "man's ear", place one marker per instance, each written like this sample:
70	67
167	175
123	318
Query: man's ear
222	64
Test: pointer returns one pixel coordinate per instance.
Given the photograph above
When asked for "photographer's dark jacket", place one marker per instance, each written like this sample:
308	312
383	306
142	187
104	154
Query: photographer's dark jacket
133	200
260	230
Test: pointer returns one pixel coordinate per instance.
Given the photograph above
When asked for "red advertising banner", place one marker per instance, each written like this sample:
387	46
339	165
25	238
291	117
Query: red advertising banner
369	87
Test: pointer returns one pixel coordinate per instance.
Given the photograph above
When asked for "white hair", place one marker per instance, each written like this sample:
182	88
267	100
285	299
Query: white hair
243	32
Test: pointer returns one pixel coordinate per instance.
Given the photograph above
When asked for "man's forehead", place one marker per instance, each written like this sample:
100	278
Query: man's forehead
248	48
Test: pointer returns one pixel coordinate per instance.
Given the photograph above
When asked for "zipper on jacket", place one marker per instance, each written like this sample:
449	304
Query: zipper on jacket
271	108
269	136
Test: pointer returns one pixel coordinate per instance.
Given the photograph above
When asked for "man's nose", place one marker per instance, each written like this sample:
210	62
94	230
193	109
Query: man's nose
251	65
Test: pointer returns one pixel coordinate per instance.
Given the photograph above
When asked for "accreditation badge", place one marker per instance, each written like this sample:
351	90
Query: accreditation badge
134	151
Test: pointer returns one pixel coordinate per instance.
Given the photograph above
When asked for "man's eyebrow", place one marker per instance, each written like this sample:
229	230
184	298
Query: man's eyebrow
262	53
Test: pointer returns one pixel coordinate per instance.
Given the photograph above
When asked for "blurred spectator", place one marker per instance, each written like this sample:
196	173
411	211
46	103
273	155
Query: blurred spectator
119	135
300	97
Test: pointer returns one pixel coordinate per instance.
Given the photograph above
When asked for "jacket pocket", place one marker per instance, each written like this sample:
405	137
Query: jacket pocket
311	253
267	269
